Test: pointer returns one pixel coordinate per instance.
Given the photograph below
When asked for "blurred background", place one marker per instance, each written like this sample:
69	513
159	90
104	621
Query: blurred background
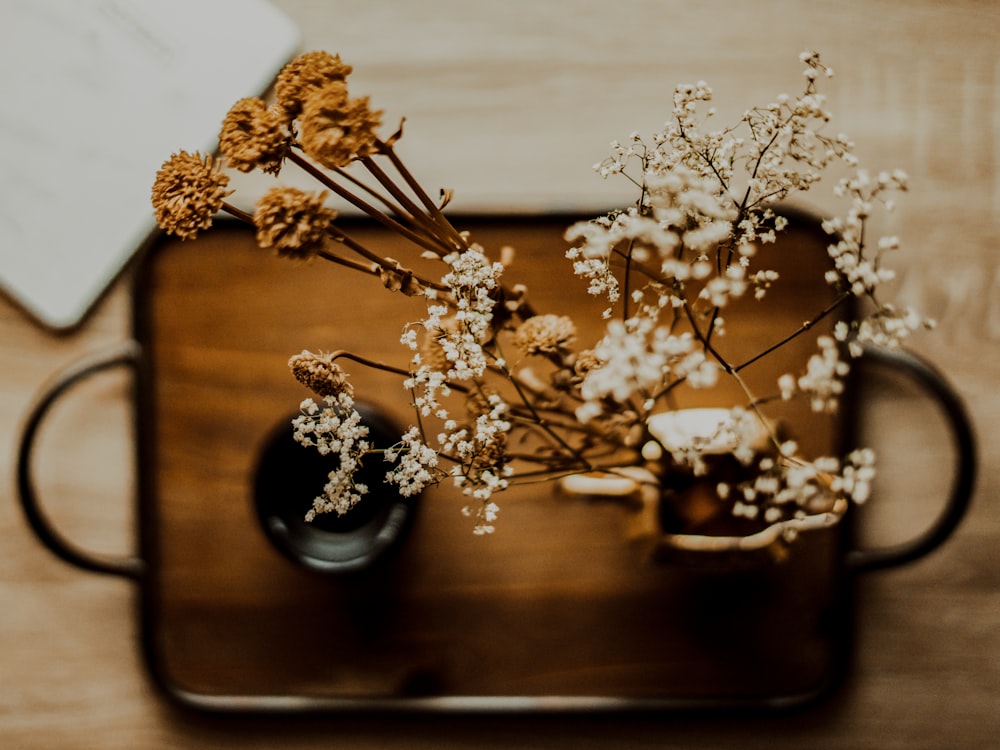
510	104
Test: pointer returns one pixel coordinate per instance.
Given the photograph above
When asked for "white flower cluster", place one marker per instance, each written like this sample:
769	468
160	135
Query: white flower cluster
791	487
786	488
863	275
887	327
485	514
472	281
429	386
481	467
855	480
639	359
459	328
683	217
690	208
417	467
458	334
823	381
334	428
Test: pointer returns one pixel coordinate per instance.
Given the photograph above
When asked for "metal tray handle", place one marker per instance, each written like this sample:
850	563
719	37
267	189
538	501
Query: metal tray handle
128	566
963	477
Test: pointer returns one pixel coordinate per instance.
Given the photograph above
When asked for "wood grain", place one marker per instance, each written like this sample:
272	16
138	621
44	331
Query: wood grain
558	602
510	104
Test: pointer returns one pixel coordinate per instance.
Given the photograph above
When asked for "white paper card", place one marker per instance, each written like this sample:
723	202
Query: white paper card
95	95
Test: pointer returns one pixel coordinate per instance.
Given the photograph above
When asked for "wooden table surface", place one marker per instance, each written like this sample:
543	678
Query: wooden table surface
509	104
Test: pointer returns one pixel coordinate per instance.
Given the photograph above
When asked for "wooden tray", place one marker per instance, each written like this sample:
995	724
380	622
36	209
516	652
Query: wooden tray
554	610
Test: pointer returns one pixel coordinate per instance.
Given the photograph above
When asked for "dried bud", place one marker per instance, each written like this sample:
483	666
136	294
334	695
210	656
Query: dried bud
396	278
320	374
189	190
303	75
545	334
293	222
254	136
336	130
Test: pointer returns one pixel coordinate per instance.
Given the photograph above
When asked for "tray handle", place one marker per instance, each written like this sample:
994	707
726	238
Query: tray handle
964	476
129	566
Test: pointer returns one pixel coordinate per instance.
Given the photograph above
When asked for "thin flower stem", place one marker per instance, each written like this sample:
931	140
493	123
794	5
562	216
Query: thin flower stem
340	236
640	202
704	340
419	417
798	332
627	277
371	268
366	207
427	220
376	365
754	405
389	205
543	424
415	186
547	427
432	208
237	212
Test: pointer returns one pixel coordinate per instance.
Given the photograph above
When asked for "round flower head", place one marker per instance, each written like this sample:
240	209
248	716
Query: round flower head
336	130
305	74
292	222
545	334
585	362
188	191
320	374
253	136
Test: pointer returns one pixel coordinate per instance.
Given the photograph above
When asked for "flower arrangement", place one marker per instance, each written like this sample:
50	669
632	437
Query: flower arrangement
503	393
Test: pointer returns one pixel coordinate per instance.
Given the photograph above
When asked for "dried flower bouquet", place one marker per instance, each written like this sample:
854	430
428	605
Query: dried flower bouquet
503	393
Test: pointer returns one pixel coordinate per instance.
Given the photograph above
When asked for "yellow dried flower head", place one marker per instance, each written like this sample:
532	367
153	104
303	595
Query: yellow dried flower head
320	374
587	361
254	136
188	191
545	334
490	455
293	222
303	75
336	129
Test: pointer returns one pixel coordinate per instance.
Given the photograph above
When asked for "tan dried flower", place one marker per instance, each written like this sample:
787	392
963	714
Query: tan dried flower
293	222
396	278
335	130
320	374
303	75
188	191
490	455
587	361
254	136
545	334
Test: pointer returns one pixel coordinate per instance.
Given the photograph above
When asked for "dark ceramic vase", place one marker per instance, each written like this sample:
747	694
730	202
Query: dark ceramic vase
289	475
